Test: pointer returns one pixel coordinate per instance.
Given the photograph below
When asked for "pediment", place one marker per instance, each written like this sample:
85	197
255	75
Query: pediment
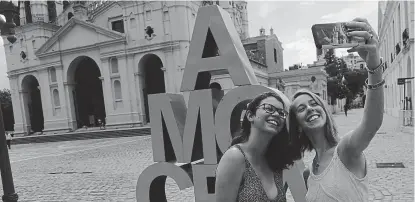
77	34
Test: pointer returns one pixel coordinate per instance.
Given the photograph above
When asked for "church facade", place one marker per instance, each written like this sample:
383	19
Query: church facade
76	64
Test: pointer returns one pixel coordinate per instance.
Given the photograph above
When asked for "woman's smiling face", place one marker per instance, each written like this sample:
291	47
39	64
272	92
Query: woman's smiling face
269	116
309	113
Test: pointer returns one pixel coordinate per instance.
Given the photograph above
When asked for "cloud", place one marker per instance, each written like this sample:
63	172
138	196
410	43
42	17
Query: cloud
307	3
300	51
356	9
264	9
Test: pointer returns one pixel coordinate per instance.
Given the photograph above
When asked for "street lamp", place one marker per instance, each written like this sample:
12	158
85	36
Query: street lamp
9	9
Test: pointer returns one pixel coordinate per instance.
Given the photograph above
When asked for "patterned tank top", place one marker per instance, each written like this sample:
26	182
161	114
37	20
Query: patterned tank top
336	183
251	189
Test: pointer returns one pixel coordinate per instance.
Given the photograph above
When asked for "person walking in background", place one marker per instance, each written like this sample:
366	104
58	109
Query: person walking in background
8	139
345	109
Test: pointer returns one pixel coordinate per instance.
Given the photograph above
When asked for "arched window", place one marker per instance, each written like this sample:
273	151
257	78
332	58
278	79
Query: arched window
56	100
117	90
114	65
52	75
70	15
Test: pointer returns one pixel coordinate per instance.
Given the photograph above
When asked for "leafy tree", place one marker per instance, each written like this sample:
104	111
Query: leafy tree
343	82
7	109
355	80
335	68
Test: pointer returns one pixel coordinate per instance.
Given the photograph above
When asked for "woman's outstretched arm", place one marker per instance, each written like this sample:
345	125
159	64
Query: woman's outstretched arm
358	140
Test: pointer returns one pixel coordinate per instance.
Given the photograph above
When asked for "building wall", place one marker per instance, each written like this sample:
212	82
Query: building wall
301	78
169	45
394	18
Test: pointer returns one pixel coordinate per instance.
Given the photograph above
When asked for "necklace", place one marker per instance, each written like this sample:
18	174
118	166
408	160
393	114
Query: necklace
316	164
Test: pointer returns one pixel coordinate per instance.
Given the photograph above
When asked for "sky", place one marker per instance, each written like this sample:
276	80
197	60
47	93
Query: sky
291	21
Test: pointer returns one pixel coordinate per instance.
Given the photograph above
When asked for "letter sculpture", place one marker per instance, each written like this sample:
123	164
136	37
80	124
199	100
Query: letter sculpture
188	141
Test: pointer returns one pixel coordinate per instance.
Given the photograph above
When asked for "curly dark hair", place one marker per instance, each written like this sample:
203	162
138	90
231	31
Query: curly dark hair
279	154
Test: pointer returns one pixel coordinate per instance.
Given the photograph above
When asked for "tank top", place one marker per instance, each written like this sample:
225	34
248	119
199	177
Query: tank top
336	183
251	189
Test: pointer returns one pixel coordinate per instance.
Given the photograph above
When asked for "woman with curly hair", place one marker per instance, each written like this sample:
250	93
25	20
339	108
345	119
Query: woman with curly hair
251	169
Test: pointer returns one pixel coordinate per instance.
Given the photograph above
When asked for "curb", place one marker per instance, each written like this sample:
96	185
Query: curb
144	131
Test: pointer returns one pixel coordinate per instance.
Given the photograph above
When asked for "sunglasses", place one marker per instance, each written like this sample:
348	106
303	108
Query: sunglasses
270	109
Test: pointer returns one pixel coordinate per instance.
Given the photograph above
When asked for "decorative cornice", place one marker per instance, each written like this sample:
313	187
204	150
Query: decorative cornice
68	26
34	68
158	46
84	48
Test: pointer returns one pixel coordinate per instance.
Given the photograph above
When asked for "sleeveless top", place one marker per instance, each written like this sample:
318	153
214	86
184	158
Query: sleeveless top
336	183
251	189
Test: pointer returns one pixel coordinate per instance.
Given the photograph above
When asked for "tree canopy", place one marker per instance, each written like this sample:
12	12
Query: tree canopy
343	82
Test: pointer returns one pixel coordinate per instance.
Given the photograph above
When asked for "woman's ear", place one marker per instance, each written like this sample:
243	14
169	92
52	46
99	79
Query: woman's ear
249	115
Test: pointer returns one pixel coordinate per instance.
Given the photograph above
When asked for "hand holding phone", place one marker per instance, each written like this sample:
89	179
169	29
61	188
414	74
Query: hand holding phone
333	35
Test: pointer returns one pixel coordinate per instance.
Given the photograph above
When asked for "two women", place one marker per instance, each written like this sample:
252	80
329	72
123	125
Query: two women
251	170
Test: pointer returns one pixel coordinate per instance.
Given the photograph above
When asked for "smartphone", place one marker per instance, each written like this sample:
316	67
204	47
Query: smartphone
333	35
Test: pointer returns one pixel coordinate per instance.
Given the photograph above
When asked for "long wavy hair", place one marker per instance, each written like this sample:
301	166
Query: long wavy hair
298	139
279	154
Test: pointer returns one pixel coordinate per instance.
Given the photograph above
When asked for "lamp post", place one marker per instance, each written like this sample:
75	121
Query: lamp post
9	10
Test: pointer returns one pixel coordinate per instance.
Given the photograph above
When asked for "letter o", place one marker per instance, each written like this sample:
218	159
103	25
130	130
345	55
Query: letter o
225	108
152	181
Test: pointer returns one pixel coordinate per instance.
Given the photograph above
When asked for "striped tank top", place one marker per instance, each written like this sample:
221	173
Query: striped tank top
336	183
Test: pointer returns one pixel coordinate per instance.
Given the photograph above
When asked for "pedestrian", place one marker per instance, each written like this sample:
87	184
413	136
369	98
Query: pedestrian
339	169
251	169
345	109
8	139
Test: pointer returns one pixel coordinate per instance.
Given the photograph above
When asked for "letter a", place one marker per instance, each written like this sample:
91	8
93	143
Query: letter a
232	57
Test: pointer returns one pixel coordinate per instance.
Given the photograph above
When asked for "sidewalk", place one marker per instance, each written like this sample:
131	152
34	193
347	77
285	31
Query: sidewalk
390	145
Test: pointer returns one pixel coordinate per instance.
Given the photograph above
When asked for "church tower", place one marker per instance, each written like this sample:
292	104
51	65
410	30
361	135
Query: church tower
239	15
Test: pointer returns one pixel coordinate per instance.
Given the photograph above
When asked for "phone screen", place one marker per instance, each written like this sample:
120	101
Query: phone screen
332	35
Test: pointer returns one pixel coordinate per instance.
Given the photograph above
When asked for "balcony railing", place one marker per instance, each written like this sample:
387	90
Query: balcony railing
405	37
397	48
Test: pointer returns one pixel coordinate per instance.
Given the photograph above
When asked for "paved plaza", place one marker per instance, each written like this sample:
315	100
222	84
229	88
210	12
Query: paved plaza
108	169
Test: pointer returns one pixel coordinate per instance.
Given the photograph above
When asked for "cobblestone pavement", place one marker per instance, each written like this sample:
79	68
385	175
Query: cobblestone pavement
108	169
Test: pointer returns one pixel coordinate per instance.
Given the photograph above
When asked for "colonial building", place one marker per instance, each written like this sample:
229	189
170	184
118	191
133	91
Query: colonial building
313	78
75	63
354	61
396	26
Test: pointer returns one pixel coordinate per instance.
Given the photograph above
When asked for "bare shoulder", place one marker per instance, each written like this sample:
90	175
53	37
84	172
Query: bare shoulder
233	157
229	175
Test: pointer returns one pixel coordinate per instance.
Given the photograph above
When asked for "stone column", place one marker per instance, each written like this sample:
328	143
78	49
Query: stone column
61	90
138	78
132	90
47	106
107	90
70	105
17	108
25	111
125	88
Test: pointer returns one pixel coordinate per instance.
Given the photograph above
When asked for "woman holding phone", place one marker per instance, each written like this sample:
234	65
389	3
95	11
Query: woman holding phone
339	171
251	169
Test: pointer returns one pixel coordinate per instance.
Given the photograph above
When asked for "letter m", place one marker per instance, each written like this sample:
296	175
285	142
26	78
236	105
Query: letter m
181	134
